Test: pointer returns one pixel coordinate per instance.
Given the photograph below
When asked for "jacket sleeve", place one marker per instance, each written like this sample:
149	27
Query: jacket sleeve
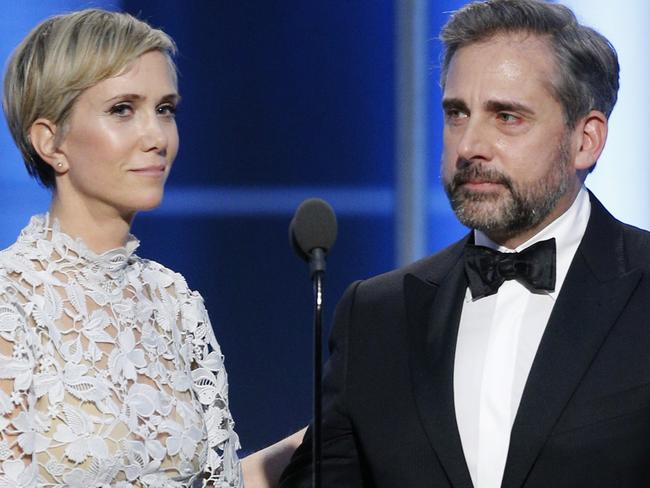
341	464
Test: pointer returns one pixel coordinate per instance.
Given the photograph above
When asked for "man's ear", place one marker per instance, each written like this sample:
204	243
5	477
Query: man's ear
591	132
43	136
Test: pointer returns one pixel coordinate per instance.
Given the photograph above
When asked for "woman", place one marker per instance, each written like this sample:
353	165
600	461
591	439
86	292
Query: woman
109	371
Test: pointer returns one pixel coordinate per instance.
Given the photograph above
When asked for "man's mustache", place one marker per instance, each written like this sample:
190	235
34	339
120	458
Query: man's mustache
475	172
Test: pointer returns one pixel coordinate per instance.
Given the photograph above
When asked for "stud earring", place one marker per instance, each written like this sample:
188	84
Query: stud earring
59	164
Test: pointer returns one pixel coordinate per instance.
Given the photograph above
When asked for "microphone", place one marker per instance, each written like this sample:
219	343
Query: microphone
312	233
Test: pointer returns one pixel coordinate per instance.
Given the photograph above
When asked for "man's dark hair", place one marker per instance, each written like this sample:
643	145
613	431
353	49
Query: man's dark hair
586	63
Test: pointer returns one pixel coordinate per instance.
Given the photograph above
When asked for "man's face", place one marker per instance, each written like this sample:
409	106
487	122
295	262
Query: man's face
508	158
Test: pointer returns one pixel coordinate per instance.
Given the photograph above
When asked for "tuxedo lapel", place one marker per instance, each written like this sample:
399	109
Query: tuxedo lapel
594	293
433	310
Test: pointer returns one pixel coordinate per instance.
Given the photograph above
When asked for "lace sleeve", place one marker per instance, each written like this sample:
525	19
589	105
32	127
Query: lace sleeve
210	384
21	427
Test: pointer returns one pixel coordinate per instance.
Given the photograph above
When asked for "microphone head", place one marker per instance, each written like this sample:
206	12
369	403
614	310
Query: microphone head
313	226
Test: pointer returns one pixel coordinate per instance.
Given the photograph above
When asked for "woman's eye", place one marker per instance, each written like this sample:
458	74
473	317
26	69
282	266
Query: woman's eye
167	109
121	109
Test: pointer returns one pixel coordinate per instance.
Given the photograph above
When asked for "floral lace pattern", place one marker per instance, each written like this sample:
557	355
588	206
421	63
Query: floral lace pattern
110	374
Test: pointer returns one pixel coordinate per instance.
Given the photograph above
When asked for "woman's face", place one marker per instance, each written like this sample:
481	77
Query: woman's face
121	139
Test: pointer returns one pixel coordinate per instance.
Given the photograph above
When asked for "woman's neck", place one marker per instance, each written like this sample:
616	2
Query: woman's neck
100	229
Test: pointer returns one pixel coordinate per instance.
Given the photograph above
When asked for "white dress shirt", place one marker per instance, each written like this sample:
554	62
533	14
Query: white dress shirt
498	337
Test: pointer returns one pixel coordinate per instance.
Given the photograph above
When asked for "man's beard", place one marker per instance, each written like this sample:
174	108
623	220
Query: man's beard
522	207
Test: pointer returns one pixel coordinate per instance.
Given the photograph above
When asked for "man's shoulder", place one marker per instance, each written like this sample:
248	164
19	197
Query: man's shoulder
637	245
431	269
626	243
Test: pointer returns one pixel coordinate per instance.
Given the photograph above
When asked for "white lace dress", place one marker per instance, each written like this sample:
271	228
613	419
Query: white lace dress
110	373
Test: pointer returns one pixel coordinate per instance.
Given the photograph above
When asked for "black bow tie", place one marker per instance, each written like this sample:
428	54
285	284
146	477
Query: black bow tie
487	269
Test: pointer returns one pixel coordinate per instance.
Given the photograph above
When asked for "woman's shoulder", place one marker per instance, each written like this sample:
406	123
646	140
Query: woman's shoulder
14	267
30	252
160	275
13	262
194	316
156	273
11	255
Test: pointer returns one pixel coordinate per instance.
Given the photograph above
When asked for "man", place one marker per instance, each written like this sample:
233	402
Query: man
519	356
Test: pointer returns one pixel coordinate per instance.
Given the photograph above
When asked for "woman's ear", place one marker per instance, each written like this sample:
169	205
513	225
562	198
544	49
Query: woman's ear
43	136
592	133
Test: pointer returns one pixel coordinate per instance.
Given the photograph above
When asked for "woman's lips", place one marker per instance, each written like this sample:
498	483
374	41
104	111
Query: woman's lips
154	170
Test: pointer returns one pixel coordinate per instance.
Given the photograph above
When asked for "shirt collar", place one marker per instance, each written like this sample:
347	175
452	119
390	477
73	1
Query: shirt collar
567	230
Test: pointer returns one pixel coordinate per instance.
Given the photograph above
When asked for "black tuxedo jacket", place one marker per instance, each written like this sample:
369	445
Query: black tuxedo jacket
584	417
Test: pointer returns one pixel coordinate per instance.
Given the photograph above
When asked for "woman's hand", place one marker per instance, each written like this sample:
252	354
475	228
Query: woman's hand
263	468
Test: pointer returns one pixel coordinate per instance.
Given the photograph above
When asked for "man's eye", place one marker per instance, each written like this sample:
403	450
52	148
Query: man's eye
506	117
454	114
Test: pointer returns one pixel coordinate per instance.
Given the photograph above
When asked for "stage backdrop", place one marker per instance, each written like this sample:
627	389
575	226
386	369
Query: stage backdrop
292	99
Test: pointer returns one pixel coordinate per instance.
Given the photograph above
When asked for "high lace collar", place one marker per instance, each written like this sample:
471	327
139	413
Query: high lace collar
43	227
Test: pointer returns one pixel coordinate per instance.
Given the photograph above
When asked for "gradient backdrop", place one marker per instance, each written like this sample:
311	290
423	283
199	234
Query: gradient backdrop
283	100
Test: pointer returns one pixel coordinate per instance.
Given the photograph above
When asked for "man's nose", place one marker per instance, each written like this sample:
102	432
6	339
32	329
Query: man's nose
475	143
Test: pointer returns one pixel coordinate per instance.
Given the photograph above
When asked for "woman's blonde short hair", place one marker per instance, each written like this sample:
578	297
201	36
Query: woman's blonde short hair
59	59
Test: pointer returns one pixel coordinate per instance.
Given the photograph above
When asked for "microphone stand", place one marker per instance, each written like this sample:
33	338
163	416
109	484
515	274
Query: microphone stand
317	269
312	232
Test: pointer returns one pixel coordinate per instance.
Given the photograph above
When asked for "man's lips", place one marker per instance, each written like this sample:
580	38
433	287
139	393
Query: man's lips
480	184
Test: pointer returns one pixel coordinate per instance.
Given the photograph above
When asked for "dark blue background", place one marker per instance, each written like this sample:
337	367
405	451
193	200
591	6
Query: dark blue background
281	94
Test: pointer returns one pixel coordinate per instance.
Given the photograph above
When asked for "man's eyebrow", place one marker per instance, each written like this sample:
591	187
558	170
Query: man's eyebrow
454	104
508	106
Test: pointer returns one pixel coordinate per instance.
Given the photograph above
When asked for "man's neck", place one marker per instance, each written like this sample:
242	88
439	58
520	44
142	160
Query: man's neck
512	240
